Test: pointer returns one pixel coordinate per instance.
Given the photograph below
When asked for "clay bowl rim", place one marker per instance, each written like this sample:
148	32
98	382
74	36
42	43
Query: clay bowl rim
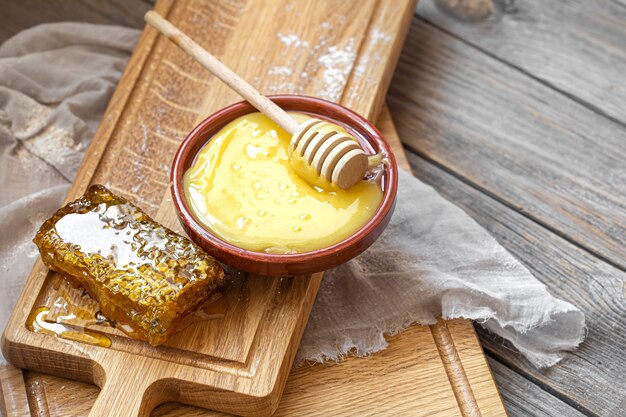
197	138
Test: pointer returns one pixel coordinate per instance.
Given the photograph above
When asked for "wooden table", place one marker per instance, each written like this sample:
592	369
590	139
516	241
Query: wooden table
520	119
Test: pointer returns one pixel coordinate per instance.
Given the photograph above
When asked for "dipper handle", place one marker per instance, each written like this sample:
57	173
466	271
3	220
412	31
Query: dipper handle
221	71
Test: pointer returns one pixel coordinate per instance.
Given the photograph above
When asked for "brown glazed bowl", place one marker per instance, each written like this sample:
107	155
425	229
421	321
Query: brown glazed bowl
286	264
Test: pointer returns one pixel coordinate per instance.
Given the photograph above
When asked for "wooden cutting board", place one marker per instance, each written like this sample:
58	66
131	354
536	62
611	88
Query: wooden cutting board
239	363
436	371
345	52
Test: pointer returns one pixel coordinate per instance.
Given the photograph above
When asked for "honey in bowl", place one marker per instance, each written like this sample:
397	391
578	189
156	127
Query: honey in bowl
243	188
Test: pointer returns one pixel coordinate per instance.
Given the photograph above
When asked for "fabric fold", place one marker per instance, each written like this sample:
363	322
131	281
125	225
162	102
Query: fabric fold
435	260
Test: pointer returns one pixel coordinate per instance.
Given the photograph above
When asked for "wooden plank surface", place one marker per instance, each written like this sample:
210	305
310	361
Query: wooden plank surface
576	47
13	393
513	137
570	273
554	169
523	398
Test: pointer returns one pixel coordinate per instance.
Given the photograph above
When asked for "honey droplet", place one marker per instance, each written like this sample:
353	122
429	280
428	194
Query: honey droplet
262	213
304	216
236	167
297	228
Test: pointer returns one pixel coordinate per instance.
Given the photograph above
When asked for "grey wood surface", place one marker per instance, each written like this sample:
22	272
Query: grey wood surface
516	391
570	273
520	120
517	139
573	46
17	15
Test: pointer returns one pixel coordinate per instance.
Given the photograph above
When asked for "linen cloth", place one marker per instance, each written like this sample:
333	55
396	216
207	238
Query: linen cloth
55	82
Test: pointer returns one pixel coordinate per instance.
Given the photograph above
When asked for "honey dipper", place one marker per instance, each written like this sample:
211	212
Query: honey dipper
335	156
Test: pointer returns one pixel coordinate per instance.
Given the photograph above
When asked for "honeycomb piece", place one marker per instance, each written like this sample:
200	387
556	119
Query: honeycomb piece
145	277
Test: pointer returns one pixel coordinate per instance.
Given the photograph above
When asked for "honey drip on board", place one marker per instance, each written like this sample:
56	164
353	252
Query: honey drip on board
38	324
70	326
70	310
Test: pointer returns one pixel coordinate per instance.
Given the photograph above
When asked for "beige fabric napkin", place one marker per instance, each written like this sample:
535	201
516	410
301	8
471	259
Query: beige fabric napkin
55	81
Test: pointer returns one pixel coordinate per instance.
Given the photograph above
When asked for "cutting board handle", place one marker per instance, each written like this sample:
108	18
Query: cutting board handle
127	388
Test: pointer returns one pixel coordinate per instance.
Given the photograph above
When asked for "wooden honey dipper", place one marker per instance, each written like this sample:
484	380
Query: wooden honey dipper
321	152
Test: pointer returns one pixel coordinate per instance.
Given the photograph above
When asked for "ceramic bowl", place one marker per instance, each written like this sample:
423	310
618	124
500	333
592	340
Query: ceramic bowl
286	264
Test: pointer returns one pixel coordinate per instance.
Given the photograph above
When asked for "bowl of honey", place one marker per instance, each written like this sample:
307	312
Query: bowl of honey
238	197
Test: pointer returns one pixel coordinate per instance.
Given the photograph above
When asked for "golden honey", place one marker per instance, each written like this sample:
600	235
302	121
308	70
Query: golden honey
145	277
243	187
38	323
